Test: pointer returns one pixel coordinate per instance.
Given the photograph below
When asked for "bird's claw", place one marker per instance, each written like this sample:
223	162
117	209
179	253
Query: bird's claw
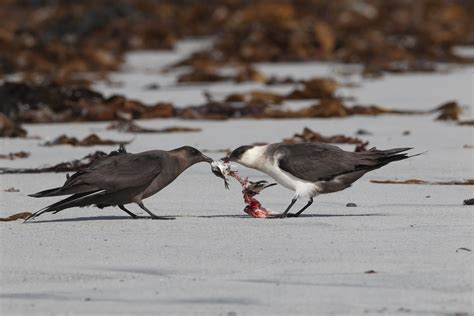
292	215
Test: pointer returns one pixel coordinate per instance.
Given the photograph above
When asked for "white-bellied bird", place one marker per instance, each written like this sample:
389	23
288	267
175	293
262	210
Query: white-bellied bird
310	169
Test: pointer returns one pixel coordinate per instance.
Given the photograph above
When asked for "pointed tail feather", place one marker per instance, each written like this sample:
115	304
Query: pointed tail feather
50	192
391	155
72	201
394	151
374	158
66	190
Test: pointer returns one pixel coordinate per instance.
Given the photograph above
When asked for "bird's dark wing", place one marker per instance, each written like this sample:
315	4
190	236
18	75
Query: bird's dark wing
111	174
107	175
119	172
321	162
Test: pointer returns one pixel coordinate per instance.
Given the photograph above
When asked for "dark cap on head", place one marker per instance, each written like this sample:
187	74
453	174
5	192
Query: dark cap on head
237	153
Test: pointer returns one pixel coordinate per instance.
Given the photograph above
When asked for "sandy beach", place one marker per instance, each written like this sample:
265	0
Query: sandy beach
405	249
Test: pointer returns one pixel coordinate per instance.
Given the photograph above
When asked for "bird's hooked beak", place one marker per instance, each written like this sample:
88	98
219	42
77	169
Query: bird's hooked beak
207	159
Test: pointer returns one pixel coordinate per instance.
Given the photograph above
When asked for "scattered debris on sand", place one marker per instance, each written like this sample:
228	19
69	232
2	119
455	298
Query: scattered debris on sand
449	111
9	127
261	105
11	189
74	165
128	126
201	75
468	202
14	217
466	123
62	41
210	73
15	155
416	181
216	110
259	31
463	249
91	140
363	132
32	103
328	108
255	98
309	135
246	72
274	80
315	88
29	103
151	86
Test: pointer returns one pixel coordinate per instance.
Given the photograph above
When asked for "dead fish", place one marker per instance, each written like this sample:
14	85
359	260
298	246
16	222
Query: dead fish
221	169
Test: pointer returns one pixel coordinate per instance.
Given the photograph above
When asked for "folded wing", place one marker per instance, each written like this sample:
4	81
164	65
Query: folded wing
111	174
321	162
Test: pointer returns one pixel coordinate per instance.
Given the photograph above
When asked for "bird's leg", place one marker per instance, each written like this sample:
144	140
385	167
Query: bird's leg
283	215
151	214
128	212
302	210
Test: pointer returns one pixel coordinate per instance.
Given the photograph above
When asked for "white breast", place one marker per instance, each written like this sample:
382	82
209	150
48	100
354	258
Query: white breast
255	158
303	189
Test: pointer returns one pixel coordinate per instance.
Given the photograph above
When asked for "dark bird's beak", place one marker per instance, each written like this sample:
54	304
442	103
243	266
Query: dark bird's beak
207	159
225	159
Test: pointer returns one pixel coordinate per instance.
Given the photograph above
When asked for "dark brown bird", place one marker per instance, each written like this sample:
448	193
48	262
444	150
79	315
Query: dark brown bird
122	179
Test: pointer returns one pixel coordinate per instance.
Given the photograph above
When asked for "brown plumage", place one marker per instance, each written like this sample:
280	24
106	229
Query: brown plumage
122	179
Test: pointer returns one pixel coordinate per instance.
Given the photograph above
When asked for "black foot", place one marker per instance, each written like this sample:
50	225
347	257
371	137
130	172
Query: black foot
292	215
285	213
153	216
132	215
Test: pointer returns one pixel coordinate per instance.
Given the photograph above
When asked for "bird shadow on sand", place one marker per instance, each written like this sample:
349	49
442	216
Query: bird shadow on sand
301	216
89	218
340	215
114	218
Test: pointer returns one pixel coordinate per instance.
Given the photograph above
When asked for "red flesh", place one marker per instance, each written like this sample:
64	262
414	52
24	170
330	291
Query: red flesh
254	207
